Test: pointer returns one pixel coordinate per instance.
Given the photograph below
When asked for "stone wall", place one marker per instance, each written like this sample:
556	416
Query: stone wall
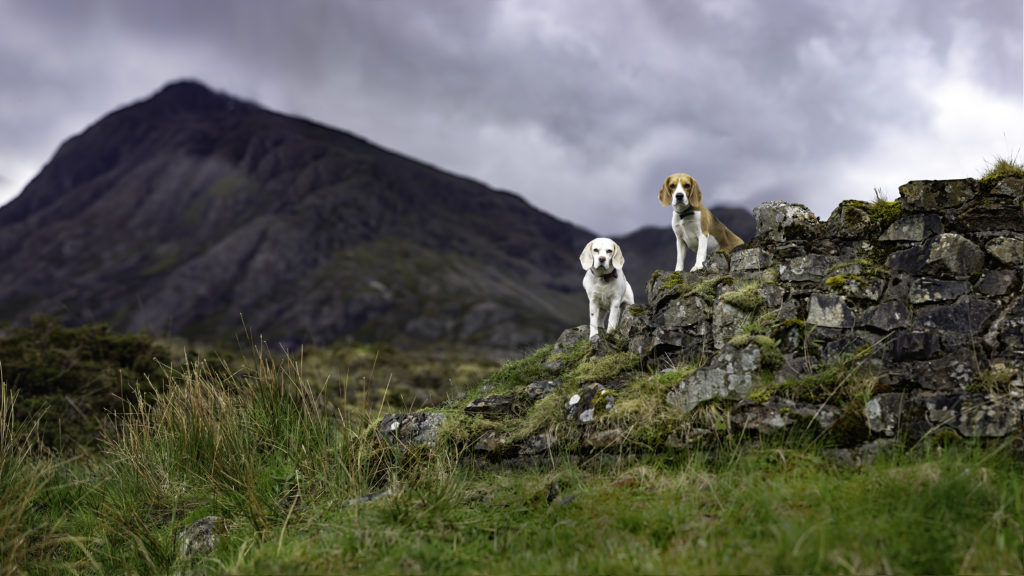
890	319
920	296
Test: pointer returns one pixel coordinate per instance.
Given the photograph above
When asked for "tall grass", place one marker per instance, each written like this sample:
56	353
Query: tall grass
1003	167
261	447
24	473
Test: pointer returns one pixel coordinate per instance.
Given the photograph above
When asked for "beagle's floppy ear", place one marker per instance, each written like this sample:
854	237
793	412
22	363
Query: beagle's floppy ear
695	195
618	260
587	256
665	195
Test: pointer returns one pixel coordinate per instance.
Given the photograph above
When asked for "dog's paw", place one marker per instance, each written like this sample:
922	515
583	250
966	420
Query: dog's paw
697	268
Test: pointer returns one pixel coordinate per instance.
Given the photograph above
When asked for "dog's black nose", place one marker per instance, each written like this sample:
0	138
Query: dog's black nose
679	195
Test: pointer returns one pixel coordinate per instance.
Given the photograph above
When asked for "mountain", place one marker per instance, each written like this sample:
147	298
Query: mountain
184	213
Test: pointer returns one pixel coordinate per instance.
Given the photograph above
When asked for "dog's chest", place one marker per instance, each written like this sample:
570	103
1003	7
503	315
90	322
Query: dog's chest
688	229
604	292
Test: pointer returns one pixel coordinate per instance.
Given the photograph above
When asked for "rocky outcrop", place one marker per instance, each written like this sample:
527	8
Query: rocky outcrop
890	320
924	291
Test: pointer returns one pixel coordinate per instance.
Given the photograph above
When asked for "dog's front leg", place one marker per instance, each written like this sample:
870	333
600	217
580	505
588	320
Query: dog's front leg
680	253
595	317
614	313
602	318
702	253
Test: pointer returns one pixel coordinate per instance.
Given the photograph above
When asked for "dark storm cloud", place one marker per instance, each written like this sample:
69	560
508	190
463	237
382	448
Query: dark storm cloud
580	106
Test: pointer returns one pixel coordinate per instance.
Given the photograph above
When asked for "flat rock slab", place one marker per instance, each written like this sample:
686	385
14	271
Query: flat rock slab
416	429
732	374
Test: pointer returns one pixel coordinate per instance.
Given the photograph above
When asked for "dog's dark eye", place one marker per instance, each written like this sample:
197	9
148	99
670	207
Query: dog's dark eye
686	186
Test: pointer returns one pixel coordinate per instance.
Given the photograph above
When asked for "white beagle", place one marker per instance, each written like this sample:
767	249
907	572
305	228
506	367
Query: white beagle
605	282
695	227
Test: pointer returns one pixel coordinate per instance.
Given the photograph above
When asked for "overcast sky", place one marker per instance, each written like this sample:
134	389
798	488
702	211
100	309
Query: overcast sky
583	107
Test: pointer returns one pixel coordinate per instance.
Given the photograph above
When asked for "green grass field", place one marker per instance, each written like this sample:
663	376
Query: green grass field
261	447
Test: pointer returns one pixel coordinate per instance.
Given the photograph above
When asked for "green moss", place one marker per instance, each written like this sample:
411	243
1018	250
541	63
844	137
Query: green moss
571	358
761	394
603	368
758	323
458	430
850	217
771	356
885	212
706	288
880	213
516	374
640	410
601	401
545	415
659	384
843	381
838	281
789	323
747	298
857	272
673	280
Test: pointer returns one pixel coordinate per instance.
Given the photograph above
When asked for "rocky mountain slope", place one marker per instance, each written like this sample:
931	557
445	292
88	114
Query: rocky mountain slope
889	321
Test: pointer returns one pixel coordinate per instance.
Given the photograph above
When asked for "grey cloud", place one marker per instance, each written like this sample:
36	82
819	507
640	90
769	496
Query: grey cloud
755	100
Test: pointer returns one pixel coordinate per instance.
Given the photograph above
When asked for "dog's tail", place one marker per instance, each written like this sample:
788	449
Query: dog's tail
729	240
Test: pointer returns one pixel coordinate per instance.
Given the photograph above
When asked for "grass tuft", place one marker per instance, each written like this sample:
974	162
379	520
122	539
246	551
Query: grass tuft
25	473
602	368
1003	167
512	376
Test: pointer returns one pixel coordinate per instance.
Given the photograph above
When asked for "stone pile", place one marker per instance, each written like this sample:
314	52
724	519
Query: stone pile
890	319
925	290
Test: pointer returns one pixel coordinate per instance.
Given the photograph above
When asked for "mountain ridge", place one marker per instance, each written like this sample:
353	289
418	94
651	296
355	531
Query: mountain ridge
179	213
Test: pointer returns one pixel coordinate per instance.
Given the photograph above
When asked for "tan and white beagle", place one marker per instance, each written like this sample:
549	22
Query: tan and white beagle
695	227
